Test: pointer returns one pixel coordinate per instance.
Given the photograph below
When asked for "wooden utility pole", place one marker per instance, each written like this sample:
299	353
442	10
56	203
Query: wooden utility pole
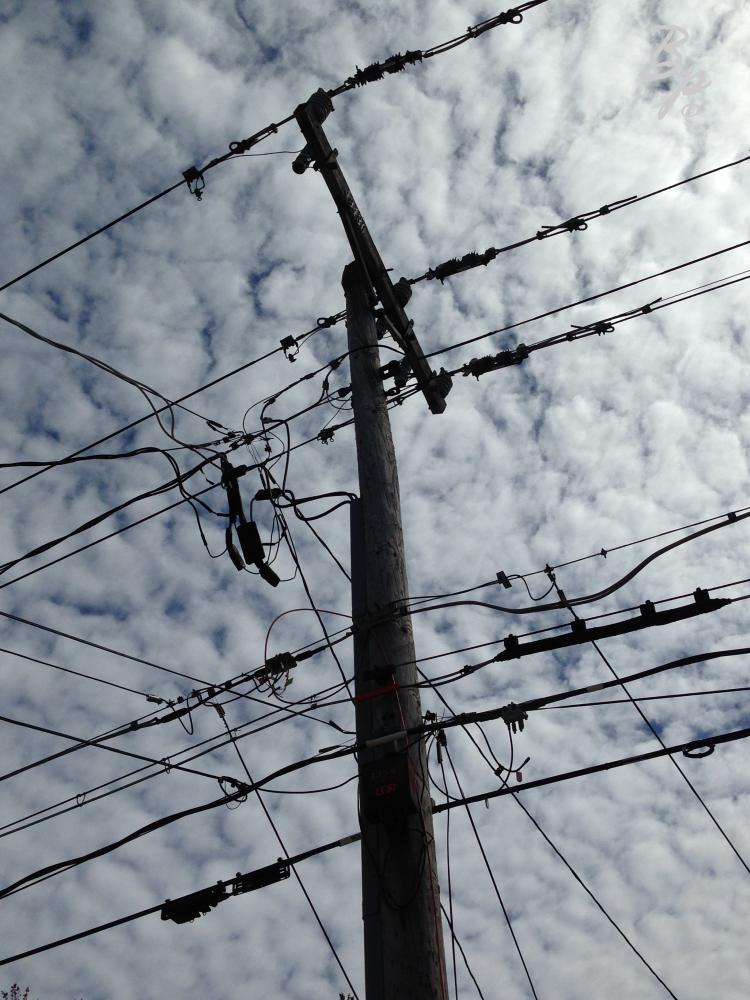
404	956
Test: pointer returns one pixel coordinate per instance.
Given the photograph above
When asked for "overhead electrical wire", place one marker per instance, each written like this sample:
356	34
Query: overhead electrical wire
589	298
559	853
98	745
696	748
510	357
589	598
697	795
577	223
649	697
228	883
491	874
79	673
283	847
593	897
194	178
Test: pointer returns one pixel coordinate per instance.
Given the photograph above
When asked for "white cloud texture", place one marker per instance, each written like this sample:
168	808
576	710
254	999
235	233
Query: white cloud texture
586	445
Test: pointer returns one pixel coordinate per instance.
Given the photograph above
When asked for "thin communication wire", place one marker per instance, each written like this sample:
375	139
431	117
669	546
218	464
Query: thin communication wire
593	898
730	515
492	876
79	673
275	829
684	776
650	697
456	942
81	743
574	874
450	881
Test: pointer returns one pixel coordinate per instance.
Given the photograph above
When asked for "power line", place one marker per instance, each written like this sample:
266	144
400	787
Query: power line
599	595
322	323
81	743
693	748
589	298
593	897
682	774
551	844
235	882
275	829
577	223
491	873
79	673
650	697
194	177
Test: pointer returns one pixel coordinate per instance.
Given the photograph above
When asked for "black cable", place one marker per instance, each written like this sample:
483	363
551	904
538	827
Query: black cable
590	598
85	798
100	646
293	552
591	895
575	874
90	236
463	953
165	487
351	839
701	748
80	743
491	874
685	778
79	673
275	829
577	223
590	298
134	423
448	867
649	697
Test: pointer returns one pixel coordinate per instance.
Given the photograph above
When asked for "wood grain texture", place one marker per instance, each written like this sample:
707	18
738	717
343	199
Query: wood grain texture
404	955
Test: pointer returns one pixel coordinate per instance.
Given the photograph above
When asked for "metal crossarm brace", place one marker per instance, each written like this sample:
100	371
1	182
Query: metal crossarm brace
325	159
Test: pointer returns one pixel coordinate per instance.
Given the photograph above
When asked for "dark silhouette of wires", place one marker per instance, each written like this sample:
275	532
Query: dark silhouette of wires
589	298
323	323
577	223
491	874
562	858
275	829
593	898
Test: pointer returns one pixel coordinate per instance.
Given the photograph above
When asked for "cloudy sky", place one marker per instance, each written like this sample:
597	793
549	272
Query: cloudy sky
587	445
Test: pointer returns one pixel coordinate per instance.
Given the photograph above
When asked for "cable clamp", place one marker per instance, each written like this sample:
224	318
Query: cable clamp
514	717
696	752
326	435
289	344
503	580
195	181
399	371
512	16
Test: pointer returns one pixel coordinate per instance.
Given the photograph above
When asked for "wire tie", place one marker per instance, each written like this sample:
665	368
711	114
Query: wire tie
700	751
